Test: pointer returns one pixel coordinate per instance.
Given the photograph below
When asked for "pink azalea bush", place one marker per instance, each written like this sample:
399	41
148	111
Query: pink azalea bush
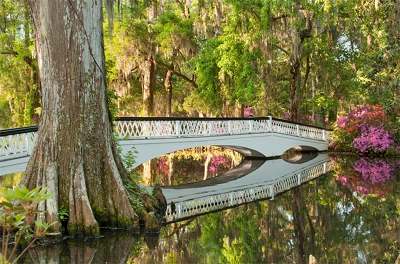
366	130
373	139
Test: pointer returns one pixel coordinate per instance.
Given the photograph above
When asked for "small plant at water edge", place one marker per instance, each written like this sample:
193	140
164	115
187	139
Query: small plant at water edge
18	211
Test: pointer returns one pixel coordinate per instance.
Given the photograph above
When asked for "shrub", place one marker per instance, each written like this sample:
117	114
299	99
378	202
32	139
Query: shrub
366	130
18	211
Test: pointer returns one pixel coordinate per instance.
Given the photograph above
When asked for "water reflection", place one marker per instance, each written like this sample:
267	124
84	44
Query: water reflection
190	165
326	219
263	180
114	247
365	176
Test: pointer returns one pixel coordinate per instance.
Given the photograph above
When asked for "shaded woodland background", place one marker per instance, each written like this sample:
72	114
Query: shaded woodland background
304	60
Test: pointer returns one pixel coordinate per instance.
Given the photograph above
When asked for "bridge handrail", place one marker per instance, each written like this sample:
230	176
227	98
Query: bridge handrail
34	128
162	118
18	142
164	127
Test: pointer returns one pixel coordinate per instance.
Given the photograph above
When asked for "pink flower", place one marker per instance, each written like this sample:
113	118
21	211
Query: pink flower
375	139
342	121
248	111
217	163
374	172
343	180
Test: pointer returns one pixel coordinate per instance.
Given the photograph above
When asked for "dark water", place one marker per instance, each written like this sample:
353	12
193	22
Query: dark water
349	215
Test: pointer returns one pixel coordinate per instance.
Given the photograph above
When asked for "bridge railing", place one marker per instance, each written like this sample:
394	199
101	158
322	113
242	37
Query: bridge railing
210	203
15	143
158	128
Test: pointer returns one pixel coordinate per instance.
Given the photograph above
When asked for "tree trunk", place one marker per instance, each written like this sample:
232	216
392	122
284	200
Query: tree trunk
168	89
295	81
148	83
170	168
298	34
206	164
298	221
75	157
147	175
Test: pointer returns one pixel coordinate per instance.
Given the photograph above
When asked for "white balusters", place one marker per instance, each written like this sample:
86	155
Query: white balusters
18	145
197	128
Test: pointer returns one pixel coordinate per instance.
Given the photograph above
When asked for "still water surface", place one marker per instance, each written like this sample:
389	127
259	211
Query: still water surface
348	215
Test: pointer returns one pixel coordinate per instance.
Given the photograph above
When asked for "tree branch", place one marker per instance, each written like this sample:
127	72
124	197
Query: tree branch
281	49
178	73
8	52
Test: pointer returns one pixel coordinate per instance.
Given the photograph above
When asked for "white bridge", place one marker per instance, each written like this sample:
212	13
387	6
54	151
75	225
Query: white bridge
148	138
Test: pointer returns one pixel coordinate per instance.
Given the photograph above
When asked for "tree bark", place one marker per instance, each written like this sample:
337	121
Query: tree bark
170	168
298	220
75	157
206	164
168	89
148	83
147	174
298	34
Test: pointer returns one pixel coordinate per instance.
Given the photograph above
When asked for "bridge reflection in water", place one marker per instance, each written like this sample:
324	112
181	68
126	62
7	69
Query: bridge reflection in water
251	181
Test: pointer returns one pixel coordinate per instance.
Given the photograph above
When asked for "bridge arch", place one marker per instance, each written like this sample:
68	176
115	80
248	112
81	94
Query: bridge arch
250	145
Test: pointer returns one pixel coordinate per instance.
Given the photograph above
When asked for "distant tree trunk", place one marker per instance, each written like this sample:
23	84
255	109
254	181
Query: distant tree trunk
168	89
149	66
295	80
170	169
188	4
148	83
298	220
147	175
298	34
206	164
75	156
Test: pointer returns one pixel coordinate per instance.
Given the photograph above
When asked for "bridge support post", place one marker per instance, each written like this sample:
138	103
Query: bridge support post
297	130
270	123
323	134
298	179
177	128
271	190
27	143
250	126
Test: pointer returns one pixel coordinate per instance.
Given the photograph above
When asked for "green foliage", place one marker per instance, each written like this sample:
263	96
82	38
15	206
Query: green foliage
18	213
63	214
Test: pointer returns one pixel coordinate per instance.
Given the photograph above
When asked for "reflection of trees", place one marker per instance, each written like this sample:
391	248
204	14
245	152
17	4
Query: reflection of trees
114	248
186	166
321	219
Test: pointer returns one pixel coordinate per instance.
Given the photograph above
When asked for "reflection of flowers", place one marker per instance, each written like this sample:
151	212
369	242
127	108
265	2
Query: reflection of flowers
367	176
218	162
378	171
162	166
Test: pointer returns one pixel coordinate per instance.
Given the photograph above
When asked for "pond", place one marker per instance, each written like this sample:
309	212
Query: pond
350	214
